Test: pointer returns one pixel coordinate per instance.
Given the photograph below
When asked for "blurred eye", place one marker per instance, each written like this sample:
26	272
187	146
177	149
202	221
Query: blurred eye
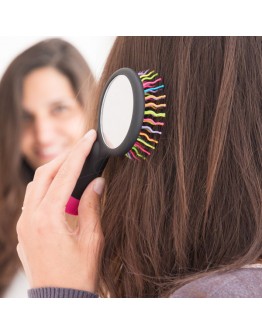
59	109
27	117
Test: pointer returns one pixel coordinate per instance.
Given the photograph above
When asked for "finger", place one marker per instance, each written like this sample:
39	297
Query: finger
63	183
43	177
90	209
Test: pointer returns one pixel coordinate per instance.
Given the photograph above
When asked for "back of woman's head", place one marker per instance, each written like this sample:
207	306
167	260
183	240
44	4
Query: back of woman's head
194	206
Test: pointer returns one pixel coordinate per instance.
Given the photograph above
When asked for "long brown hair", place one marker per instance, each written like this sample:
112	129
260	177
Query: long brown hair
14	172
193	207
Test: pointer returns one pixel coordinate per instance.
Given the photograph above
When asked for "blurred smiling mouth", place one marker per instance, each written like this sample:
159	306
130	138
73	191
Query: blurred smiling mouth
48	153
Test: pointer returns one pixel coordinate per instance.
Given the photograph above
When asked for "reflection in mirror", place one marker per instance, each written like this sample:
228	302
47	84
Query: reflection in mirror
117	111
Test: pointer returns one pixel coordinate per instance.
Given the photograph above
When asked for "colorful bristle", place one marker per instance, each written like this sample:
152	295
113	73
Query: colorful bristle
153	116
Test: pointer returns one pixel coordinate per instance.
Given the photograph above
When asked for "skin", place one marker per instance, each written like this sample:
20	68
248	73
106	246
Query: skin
53	119
50	252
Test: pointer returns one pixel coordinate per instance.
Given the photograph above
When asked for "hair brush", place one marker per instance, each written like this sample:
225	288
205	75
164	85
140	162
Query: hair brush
130	122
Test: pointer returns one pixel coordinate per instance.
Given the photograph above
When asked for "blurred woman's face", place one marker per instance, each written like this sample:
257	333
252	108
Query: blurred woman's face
53	120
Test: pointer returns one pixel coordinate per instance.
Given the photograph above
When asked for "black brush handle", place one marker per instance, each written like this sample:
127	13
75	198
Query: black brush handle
92	168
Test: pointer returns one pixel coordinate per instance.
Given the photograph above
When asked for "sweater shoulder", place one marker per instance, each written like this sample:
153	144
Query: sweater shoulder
245	283
53	292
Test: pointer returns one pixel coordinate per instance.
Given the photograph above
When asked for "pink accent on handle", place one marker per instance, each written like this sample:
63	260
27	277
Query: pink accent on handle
72	206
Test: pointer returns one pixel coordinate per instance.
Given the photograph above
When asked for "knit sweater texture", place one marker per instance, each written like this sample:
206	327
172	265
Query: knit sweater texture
241	283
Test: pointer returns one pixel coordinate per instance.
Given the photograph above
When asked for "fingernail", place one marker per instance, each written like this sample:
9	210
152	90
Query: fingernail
99	185
90	134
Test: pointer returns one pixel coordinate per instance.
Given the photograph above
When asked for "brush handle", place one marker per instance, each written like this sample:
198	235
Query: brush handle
92	168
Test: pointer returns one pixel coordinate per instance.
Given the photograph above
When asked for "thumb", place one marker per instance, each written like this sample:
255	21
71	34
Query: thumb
89	209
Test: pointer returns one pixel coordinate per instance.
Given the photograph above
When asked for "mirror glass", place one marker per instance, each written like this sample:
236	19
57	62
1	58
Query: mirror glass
117	111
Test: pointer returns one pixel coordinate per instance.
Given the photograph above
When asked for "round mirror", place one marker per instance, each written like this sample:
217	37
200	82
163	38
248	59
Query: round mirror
116	111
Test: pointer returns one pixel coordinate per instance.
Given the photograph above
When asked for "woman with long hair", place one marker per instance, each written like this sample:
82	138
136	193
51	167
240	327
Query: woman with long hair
187	222
43	94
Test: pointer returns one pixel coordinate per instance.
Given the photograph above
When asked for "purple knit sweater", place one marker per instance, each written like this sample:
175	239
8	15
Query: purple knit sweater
241	283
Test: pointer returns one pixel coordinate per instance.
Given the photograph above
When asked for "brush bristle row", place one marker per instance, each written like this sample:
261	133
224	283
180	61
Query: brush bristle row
153	116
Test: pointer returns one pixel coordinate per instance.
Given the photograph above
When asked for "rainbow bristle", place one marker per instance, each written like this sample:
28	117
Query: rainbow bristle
153	117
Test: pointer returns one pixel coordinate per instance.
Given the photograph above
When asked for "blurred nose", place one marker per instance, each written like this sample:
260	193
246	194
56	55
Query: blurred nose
44	131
